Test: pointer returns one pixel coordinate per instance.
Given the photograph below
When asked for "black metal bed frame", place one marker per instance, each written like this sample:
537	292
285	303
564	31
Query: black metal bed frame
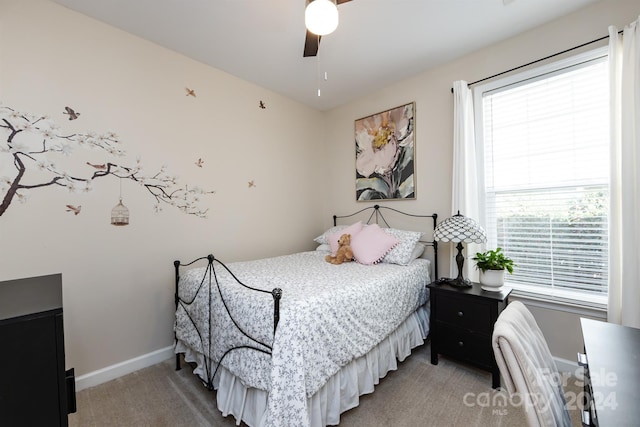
210	271
377	214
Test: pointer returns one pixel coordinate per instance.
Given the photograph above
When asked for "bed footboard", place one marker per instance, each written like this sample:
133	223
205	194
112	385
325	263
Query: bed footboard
211	283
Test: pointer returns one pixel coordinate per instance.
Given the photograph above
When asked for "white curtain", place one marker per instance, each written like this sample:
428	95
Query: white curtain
465	178
624	235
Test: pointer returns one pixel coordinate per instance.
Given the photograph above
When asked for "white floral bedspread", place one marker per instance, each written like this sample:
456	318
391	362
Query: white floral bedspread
329	315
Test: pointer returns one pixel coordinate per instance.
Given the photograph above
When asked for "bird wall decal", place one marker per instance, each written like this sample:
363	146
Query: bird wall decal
199	163
190	92
102	166
252	183
72	114
74	209
261	105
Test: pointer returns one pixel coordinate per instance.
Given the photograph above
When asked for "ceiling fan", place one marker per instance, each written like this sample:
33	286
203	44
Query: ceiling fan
312	40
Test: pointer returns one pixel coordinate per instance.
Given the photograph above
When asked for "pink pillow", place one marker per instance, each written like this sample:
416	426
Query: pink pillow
372	244
353	229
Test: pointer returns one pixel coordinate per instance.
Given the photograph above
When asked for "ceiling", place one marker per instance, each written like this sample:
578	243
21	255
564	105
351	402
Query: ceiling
377	43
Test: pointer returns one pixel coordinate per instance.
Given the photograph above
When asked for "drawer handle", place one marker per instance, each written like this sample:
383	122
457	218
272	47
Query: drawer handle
460	344
460	314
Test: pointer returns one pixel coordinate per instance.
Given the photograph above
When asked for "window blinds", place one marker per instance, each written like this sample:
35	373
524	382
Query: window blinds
546	176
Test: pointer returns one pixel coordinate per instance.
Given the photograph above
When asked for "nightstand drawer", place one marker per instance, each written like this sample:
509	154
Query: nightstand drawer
462	320
464	345
465	313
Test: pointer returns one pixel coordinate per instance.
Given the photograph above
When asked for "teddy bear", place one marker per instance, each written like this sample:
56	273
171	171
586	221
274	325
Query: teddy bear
344	252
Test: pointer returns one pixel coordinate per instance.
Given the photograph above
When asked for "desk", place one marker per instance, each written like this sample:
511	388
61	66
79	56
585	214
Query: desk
613	357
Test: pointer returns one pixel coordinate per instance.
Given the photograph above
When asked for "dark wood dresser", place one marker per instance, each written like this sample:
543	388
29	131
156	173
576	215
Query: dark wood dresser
462	322
35	388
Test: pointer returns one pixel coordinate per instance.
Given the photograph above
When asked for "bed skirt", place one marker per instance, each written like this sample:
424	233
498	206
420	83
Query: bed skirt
340	393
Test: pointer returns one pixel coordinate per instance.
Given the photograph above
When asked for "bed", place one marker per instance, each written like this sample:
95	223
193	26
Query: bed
294	340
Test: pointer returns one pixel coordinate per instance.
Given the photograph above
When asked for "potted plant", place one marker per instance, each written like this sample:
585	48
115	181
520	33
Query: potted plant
492	265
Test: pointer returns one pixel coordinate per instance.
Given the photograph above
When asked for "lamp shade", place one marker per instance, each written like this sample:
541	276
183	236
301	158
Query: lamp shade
321	17
459	228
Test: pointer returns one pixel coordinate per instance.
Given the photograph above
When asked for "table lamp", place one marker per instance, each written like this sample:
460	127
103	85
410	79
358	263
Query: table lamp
458	229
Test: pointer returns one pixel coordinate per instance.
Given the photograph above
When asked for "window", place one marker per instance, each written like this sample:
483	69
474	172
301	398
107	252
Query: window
543	139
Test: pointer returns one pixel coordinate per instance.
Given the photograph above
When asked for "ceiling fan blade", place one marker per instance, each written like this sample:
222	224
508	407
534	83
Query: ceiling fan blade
311	42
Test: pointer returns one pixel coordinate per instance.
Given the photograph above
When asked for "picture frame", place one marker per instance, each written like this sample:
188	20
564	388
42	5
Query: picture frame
385	155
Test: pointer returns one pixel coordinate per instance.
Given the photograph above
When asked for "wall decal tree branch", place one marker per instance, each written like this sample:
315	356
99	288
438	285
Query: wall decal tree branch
31	139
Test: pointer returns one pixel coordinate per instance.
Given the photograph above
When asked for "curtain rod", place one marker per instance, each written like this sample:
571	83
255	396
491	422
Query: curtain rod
539	60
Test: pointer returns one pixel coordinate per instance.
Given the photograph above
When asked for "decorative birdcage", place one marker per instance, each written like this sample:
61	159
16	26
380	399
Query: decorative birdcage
120	214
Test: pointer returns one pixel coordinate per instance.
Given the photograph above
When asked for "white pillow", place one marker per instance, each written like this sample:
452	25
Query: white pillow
322	239
402	253
418	250
324	248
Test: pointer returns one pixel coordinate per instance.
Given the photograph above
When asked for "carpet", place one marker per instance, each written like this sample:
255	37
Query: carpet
417	394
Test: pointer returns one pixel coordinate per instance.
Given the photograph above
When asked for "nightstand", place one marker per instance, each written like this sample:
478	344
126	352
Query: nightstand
462	322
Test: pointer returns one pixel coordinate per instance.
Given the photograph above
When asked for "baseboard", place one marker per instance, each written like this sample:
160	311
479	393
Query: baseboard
123	368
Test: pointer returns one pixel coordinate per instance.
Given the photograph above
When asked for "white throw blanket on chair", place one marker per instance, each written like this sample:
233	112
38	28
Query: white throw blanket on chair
528	369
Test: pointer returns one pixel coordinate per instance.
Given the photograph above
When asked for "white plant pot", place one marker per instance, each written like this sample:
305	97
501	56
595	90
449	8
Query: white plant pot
492	280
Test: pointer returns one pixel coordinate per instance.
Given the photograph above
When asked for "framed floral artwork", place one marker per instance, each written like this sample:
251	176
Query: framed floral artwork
385	155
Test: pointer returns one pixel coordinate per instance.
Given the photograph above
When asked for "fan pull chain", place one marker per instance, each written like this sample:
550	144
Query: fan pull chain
325	75
318	69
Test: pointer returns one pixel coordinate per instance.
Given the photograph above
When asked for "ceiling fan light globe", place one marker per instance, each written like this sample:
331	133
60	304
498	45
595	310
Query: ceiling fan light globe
321	17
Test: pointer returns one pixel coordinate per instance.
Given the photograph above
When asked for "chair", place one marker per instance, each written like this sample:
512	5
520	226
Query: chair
529	372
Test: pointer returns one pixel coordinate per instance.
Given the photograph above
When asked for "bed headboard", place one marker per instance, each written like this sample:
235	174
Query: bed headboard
377	216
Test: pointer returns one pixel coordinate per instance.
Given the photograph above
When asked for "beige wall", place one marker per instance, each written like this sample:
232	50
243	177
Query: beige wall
434	124
561	326
118	281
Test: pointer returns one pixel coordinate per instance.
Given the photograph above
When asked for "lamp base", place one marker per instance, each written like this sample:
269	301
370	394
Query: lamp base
457	282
